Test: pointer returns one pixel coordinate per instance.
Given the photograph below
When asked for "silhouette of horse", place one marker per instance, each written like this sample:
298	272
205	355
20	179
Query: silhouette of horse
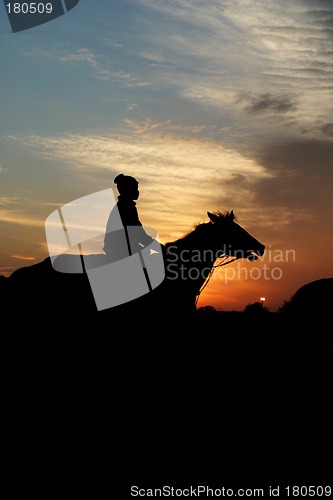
308	335
54	313
189	262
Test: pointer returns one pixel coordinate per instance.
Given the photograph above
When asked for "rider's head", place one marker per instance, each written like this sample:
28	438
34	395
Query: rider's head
127	185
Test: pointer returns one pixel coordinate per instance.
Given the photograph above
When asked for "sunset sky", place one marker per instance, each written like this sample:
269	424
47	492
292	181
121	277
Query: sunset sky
211	105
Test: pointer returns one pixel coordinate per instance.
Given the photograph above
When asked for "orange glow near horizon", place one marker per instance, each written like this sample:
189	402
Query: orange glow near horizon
277	274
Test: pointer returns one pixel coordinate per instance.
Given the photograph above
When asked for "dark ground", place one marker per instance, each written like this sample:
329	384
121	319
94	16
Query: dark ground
89	414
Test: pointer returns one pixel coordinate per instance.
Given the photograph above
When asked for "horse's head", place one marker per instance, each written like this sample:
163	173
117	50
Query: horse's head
231	239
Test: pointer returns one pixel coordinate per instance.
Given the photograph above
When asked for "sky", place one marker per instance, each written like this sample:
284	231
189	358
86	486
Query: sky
211	105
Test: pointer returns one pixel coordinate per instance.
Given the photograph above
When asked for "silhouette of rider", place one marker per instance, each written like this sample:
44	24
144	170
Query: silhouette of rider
124	231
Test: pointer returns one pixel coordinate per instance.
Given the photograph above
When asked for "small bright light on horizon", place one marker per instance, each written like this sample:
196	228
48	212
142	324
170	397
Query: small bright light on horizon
262	299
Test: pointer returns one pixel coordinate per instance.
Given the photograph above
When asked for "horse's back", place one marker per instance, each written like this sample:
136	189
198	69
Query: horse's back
310	309
308	334
316	294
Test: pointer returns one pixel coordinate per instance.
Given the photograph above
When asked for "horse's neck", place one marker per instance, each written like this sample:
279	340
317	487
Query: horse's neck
190	262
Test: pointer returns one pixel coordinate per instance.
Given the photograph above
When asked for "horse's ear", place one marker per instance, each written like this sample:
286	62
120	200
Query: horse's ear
232	216
212	217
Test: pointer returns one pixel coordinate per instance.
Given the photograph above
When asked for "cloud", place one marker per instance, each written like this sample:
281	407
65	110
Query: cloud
23	257
81	55
8	200
268	103
154	57
262	64
22	211
153	147
280	52
98	63
182	175
17	217
303	176
327	129
148	125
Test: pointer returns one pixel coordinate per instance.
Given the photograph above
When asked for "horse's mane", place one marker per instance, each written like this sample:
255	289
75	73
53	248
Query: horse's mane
199	226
